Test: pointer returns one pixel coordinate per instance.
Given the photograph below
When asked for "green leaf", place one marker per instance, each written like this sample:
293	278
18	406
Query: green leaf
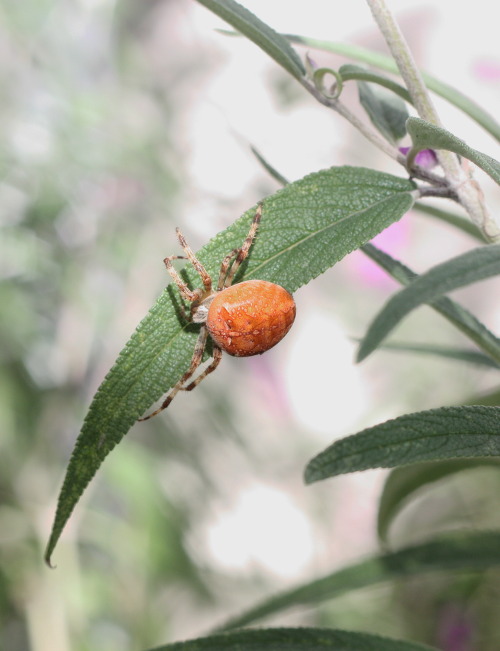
457	354
272	171
463	270
388	64
387	111
274	44
294	639
425	135
305	229
452	311
402	484
450	552
434	435
350	71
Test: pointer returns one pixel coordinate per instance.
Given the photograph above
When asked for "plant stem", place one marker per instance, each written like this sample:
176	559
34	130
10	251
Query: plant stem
342	110
459	179
466	189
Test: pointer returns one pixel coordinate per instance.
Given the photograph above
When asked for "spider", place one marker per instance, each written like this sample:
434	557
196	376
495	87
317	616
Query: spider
243	319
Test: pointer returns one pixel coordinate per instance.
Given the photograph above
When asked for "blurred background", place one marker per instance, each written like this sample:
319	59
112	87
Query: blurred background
119	121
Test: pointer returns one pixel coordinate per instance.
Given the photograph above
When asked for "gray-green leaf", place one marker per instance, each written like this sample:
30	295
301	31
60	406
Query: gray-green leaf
452	311
425	135
386	110
294	639
437	434
383	62
305	228
403	483
458	272
450	552
244	21
350	71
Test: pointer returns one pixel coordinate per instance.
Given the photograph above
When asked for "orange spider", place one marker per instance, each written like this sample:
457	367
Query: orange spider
244	319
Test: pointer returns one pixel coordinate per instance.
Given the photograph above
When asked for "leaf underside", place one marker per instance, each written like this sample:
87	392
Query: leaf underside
461	318
425	135
305	229
461	271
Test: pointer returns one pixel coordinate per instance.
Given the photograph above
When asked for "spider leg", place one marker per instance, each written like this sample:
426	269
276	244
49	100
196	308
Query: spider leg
242	253
186	293
195	362
202	272
210	368
226	263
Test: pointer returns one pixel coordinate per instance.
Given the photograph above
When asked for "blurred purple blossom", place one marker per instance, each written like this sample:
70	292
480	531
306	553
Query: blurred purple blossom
426	158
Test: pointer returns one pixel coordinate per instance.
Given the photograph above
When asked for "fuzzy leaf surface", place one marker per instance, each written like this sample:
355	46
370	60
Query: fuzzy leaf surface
427	136
386	110
434	435
305	229
451	552
461	271
294	639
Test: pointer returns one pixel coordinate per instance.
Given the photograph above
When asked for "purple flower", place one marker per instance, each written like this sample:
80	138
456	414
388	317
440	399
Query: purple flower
426	158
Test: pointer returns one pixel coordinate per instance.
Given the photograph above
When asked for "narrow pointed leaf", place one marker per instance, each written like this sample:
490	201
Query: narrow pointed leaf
434	435
456	354
294	639
383	62
451	310
387	111
357	73
305	228
273	172
274	44
458	272
451	552
403	483
425	135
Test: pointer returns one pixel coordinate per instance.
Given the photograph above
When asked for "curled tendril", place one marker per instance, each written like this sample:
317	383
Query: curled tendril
318	78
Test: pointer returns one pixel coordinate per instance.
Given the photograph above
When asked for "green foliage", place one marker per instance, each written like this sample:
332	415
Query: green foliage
387	111
351	71
275	45
294	639
466	552
459	272
455	313
383	62
444	433
402	484
428	136
305	229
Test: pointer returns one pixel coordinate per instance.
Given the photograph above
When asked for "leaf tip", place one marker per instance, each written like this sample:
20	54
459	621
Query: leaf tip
48	559
310	474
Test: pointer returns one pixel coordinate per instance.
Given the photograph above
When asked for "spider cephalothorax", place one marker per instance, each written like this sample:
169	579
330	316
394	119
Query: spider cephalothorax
244	319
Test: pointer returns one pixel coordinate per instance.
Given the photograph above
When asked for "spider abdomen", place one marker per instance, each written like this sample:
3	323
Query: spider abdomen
250	317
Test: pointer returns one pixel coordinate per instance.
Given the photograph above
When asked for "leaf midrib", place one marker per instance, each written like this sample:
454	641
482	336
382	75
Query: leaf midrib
322	230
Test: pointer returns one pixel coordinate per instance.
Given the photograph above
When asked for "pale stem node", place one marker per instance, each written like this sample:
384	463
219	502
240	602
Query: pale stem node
459	179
